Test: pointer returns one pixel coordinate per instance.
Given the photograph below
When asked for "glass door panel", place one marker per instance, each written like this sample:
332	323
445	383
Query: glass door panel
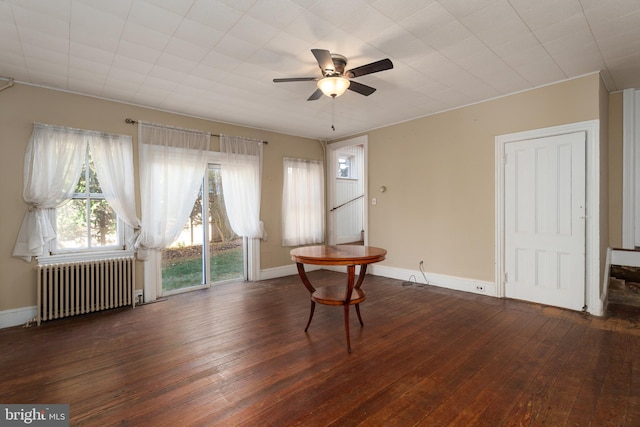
186	260
226	249
182	261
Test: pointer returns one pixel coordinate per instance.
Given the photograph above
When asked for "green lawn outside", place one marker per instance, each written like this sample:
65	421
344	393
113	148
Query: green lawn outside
181	273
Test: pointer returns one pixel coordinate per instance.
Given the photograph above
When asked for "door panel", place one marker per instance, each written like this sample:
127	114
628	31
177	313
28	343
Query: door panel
544	220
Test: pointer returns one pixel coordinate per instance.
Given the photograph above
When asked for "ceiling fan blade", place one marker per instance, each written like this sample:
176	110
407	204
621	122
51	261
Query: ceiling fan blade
324	60
361	89
295	79
374	67
315	95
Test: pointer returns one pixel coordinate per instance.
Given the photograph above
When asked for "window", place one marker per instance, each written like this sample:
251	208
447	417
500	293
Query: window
71	186
344	166
87	222
302	202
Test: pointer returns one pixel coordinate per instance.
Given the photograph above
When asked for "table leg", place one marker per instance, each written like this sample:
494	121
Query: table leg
363	272
304	278
351	276
313	307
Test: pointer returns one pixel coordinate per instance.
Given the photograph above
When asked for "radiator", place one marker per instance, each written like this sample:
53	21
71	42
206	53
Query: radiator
69	289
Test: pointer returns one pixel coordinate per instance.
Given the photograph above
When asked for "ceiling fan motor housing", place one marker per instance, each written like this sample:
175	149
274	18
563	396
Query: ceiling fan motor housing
339	62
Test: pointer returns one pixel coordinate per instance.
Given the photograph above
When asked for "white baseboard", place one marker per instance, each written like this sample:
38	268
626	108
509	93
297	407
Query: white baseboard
464	284
17	316
283	271
450	282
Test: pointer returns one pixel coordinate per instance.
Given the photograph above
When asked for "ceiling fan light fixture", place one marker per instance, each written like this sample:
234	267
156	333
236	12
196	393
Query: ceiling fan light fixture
333	86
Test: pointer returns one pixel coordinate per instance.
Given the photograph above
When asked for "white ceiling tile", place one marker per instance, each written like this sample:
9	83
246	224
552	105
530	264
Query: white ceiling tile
198	34
606	10
310	28
399	10
482	23
277	13
462	8
161	78
575	55
235	47
153	17
176	7
368	23
542	13
253	31
338	12
93	59
143	54
214	14
220	61
401	44
571	26
40	12
130	80
175	63
118	8
180	48
143	36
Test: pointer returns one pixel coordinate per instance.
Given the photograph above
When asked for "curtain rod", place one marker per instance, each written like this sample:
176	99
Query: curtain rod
133	122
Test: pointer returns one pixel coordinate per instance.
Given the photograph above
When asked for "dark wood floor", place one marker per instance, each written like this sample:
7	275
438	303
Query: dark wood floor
237	355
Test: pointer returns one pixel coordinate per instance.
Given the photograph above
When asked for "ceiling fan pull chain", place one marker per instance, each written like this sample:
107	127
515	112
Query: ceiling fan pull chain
333	113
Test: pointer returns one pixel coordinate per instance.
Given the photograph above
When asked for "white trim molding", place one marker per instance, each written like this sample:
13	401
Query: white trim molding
593	300
630	168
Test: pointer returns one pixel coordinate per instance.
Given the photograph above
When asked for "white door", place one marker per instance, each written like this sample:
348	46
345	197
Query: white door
545	220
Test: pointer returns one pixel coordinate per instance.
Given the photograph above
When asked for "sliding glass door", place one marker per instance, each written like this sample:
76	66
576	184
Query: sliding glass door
207	251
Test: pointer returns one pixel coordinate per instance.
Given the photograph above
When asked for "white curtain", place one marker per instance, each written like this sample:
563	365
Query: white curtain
52	166
172	166
302	202
113	160
241	173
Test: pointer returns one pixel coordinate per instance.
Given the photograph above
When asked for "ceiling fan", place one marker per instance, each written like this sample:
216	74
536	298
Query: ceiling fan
335	80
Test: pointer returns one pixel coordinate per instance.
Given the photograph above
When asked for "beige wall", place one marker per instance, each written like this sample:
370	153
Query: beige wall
22	105
439	171
439	174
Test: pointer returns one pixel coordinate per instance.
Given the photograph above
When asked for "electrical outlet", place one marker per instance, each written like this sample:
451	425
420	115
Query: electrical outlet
139	297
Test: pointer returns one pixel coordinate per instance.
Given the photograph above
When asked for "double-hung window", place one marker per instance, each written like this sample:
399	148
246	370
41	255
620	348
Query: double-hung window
80	190
87	222
302	202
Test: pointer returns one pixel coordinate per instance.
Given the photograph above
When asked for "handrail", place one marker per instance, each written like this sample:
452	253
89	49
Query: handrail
346	203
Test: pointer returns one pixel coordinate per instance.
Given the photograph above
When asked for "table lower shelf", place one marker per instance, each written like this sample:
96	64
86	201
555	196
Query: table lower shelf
334	295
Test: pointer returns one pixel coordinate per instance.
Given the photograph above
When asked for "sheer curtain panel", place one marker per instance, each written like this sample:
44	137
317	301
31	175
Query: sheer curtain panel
172	166
241	172
52	166
113	160
302	202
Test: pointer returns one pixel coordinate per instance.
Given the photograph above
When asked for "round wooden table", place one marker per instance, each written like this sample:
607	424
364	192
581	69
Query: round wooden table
351	294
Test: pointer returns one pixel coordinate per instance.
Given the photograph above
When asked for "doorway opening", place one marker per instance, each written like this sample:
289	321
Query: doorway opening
347	191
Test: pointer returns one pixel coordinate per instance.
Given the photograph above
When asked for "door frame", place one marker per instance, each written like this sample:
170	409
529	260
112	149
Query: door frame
331	183
594	302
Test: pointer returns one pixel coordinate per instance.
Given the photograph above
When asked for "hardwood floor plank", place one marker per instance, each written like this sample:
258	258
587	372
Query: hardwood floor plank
237	354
